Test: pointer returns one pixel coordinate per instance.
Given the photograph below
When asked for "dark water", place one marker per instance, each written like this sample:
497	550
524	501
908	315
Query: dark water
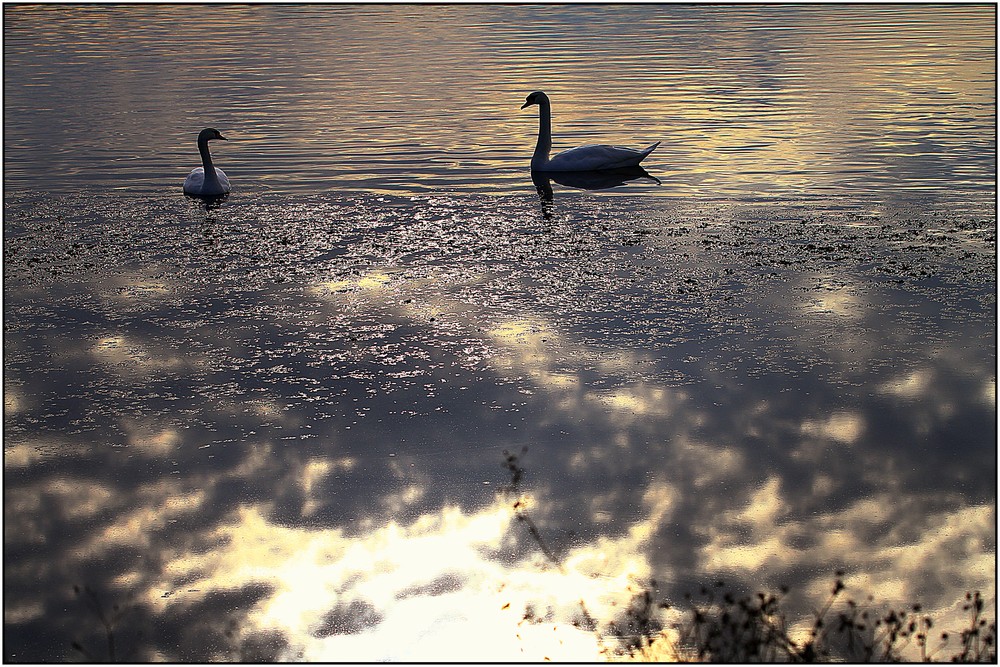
386	403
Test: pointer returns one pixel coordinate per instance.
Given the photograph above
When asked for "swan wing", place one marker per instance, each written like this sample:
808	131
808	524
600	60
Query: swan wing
595	157
194	184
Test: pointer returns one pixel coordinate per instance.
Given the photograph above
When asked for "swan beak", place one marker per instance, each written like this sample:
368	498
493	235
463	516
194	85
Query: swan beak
526	105
223	138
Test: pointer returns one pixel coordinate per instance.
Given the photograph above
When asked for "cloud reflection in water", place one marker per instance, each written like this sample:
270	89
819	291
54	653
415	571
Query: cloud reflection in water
288	443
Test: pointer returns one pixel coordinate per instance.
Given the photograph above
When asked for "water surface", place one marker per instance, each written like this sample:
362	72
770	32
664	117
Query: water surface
759	101
387	402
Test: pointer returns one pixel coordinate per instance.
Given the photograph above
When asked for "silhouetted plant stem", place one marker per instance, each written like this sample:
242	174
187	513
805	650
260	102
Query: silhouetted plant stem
533	530
108	622
979	640
512	462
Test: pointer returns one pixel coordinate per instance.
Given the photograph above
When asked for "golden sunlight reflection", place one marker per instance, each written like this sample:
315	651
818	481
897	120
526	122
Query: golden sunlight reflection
372	281
77	499
26	454
415	605
839	303
712	464
315	471
20	456
22	611
530	345
538	350
143	289
124	532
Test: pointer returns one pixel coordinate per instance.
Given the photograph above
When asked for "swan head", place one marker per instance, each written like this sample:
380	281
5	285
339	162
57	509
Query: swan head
537	97
210	133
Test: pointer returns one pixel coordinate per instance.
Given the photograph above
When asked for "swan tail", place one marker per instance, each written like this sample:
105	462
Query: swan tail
647	150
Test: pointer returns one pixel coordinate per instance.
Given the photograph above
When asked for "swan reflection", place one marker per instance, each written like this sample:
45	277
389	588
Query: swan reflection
604	179
207	202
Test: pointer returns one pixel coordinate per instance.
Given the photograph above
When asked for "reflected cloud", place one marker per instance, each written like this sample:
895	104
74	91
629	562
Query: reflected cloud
639	401
839	300
291	475
131	357
913	385
842	427
13	402
147	441
870	539
376	582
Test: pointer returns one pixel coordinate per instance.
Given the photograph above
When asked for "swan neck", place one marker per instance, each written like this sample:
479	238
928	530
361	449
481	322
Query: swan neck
206	161
544	145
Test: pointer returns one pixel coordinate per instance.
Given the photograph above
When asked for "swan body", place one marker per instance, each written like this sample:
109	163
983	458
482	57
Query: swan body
593	157
207	180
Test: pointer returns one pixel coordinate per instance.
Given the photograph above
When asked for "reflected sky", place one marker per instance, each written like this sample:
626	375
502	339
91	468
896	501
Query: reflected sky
396	399
747	100
278	429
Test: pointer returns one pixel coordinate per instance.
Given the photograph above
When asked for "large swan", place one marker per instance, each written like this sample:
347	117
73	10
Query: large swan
207	180
593	157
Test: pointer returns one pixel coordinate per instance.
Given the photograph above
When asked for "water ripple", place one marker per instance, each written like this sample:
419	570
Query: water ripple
769	100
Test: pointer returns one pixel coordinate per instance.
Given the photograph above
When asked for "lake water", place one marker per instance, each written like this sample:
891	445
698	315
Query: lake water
394	399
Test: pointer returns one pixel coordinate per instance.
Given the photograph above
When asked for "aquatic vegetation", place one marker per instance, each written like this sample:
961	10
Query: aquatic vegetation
722	627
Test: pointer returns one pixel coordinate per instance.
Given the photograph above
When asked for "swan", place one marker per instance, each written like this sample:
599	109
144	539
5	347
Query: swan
593	157
207	180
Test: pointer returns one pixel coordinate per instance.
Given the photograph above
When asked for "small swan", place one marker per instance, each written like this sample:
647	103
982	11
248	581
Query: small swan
593	157
207	180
